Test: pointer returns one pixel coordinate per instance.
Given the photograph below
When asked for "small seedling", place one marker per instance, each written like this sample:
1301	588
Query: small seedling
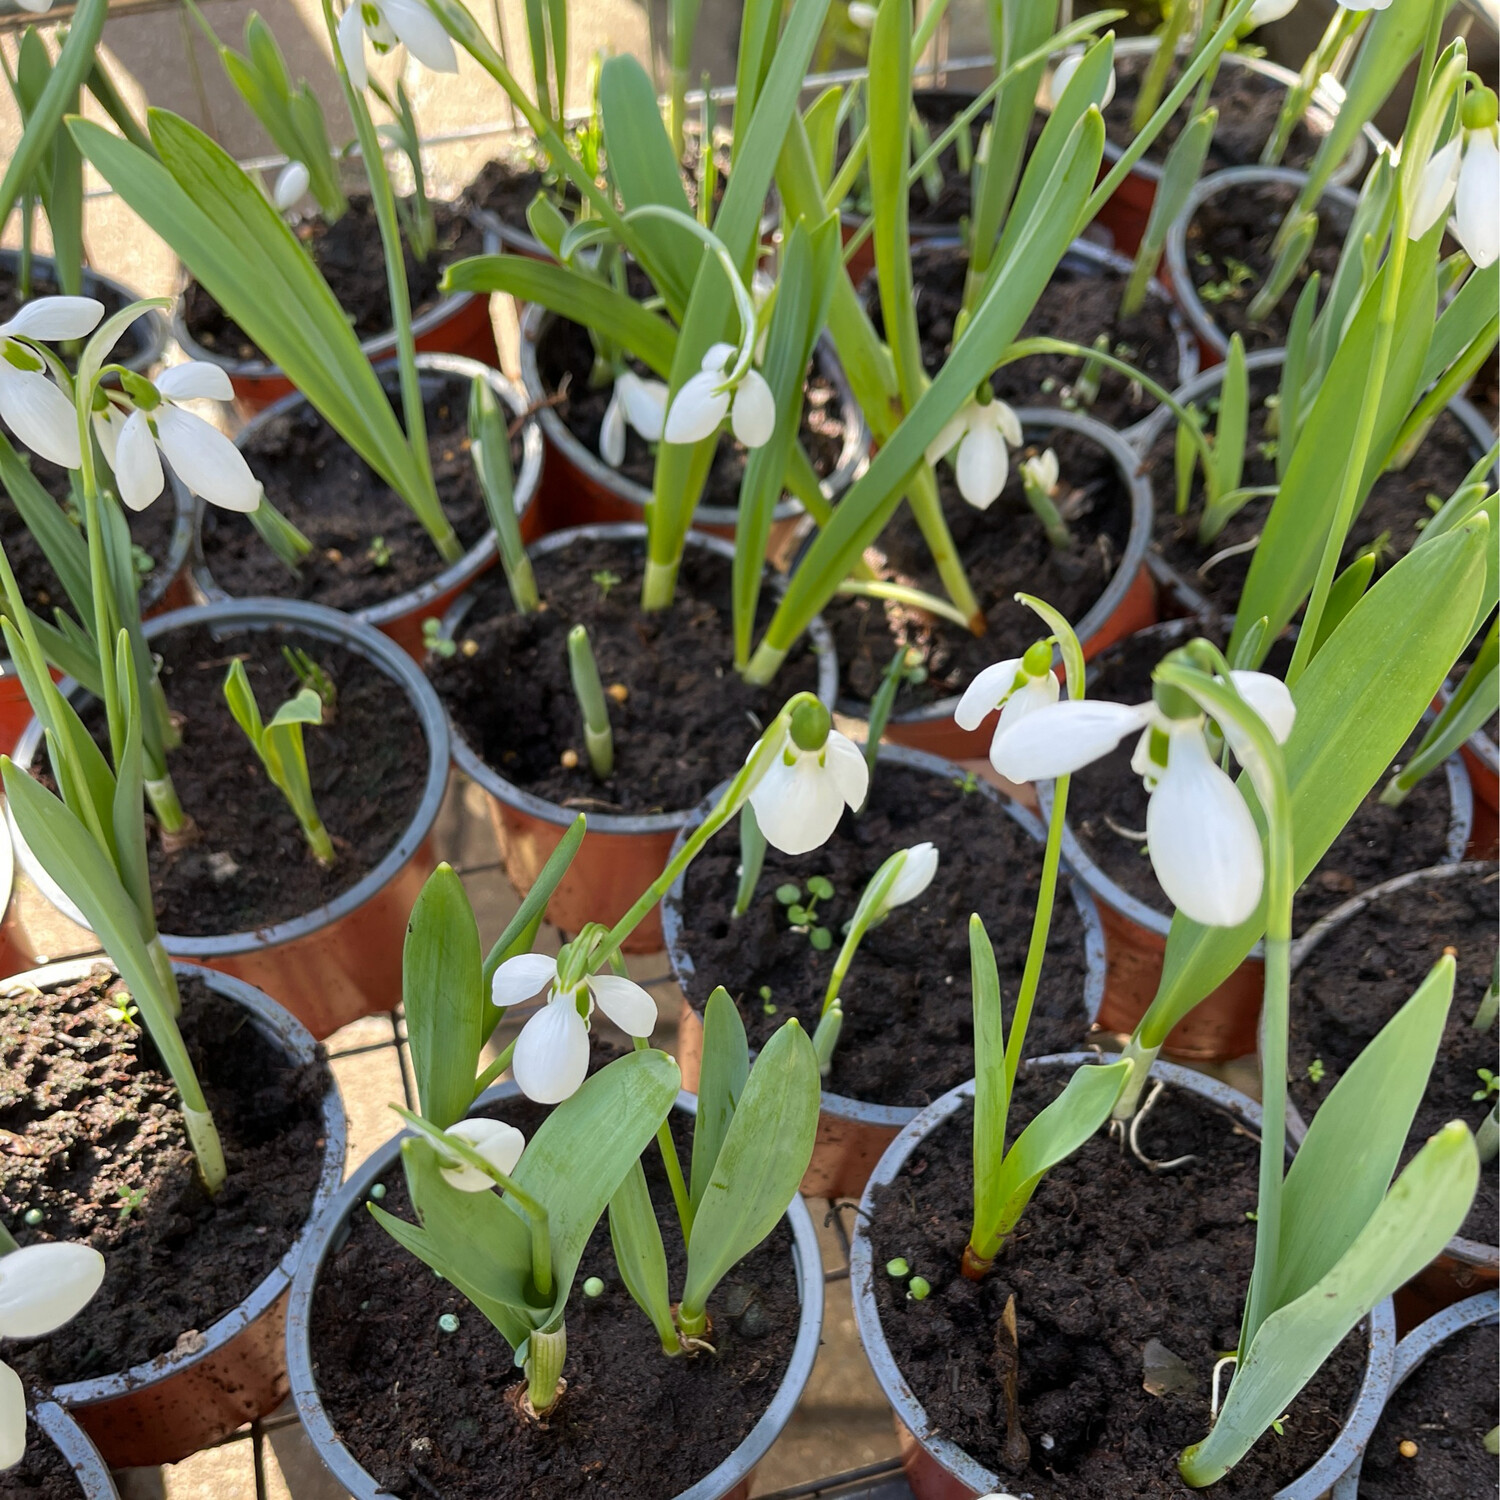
968	783
311	675
142	561
897	1267
433	639
1491	1085
802	914
765	1001
128	1200
123	1008
606	580
1316	1071
1231	288
918	1288
378	553
1278	1425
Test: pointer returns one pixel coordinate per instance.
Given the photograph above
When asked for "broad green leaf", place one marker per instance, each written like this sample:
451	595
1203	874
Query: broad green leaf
991	1096
821	121
721	1085
640	1257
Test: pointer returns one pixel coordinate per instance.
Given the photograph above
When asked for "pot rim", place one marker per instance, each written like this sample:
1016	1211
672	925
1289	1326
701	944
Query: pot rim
477	769
377	348
844	1106
535	321
1468	1252
1479	744
275	1024
328	625
88	1467
474	561
806	1260
1312	1483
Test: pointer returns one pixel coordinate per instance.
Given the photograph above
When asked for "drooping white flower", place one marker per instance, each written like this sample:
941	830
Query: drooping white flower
861	14
204	459
1466	174
816	773
498	1143
387	22
552	1051
1435	187
980	430
641	404
1263	12
1062	75
1013	687
291	183
33	407
706	398
916	874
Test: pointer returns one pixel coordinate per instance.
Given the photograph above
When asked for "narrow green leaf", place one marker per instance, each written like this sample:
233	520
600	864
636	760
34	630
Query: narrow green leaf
640	1256
1233	423
991	1096
1348	589
721	1084
515	938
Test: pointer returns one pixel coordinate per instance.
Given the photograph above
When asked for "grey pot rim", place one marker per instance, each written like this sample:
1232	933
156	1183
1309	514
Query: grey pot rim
281	1027
83	1458
328	625
844	1106
379	347
1422	1341
1311	1485
1466	1251
1137	546
534	323
474	561
477	769
806	1260
1228	180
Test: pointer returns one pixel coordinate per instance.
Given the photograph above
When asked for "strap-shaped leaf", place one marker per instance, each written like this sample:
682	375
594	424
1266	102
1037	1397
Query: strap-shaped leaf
991	1095
1234	417
127	817
721	1085
1471	306
640	1255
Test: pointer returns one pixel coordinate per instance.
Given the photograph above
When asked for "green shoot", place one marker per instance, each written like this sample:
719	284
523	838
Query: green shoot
311	675
752	858
489	446
597	737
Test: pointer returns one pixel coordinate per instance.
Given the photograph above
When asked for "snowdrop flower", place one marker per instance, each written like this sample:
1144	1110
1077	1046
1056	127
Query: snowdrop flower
980	431
498	1143
552	1051
291	183
206	461
707	397
387	22
640	403
1263	12
36	7
1062	76
915	875
860	14
41	1288
816	773
1015	687
1465	173
40	414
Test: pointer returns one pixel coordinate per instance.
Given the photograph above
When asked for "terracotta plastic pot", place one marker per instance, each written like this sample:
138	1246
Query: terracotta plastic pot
458	323
402	618
621	853
1482	1311
90	1471
938	1469
1335	199
579	489
163	1410
1465	1266
729	1481
853	1134
1126	606
342	961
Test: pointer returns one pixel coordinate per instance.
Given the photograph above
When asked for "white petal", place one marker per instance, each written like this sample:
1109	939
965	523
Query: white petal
1271	698
194	378
1144	763
1363	5
352	45
612	431
137	469
43	1286
1062	76
107	425
798	806
39	414
984	693
291	183
1435	187
697	410
1203	842
422	33
498	1143
12	1414
1005	419
50	318
645	403
1034	693
521	977
36	7
205	460
916	875
845	762
983	463
1060	738
861	14
753	415
953	429
1476	207
626	1004
1263	12
716	361
552	1053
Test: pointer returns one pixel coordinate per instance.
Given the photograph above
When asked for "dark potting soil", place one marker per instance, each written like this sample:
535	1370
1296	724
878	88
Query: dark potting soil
1445	1407
368	545
132	343
96	1143
43	1474
1108	1260
426	1412
1230	255
1361	974
1107	802
684	720
349	255
908	1031
565	356
1080	302
1003	549
1396	506
1248	104
507	185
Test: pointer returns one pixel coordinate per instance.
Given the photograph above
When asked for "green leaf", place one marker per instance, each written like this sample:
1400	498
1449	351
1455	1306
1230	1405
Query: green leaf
721	1085
60	540
127	819
520	931
1233	423
991	1096
1469	309
640	1256
1348	589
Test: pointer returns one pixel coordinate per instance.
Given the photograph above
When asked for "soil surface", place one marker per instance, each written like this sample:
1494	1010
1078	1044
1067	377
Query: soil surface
133	342
1108	1261
368	545
1361	974
1081	302
1445	1406
427	1412
686	719
1003	549
97	1146
507	185
349	256
1395	508
908	1032
44	1474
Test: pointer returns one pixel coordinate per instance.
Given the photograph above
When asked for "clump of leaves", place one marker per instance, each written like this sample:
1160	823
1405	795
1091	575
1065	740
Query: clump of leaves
801	912
433	640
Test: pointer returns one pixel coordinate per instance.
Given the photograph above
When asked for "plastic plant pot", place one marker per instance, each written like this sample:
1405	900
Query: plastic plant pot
621	853
169	1407
729	1481
90	1472
938	1469
853	1134
342	961
402	618
580	489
